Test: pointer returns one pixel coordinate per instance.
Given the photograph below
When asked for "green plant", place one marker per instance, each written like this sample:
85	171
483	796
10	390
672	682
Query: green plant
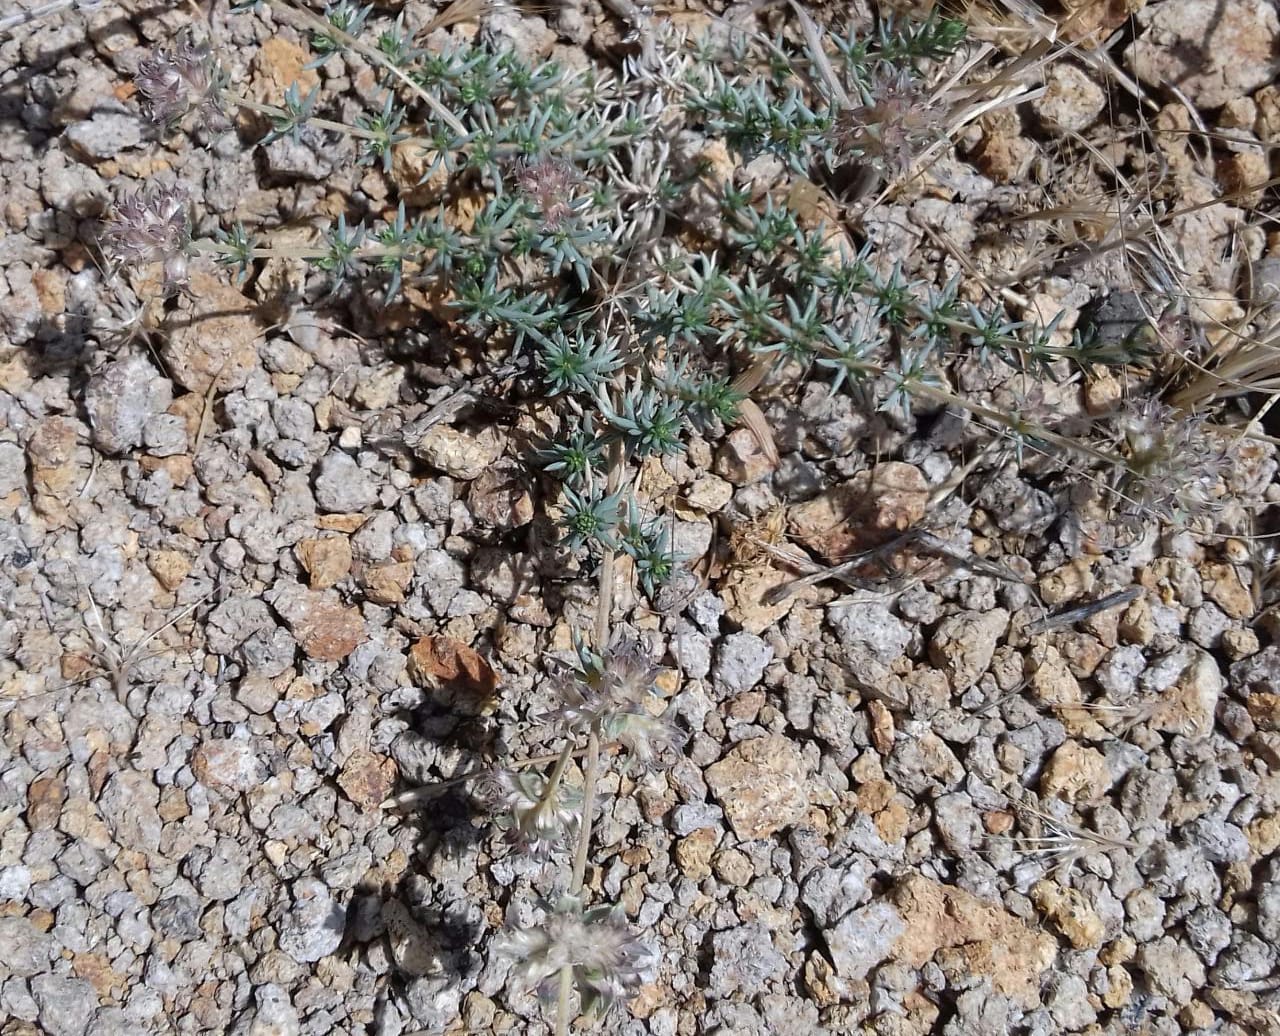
591	253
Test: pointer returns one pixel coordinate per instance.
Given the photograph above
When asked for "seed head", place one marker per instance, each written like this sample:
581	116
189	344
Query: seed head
173	82
1172	461
537	821
614	701
548	183
608	961
895	122
151	225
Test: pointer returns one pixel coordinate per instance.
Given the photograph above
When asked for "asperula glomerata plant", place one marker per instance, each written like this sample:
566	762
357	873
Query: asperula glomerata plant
634	241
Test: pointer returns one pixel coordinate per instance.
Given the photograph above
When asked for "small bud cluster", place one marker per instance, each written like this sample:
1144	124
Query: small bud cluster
607	960
152	225
173	82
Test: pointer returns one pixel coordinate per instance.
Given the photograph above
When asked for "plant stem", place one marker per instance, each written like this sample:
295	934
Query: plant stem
591	772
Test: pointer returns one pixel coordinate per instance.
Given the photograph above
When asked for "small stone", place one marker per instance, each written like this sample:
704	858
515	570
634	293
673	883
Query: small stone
387	583
24	949
367	778
463	456
744	959
1189	707
105	135
326	560
742	460
864	938
169	567
690	817
741	662
66	1004
1070	911
745	589
1076	773
323	628
1220	841
499	497
45	797
121	399
215	343
273	1014
868	628
128	805
993	943
733	866
962	645
865	512
693	852
761	785
1224	587
313	928
1071	102
227	763
1214	53
342	486
708	494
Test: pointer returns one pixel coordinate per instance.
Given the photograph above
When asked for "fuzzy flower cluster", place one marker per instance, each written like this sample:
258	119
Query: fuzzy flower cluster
173	82
548	184
608	962
1172	461
152	225
539	817
895	122
617	699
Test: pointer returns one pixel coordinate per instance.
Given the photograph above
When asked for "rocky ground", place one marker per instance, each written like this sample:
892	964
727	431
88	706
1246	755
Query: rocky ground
233	621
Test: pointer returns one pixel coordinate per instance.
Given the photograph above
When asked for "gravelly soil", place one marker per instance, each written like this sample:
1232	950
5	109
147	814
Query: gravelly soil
905	806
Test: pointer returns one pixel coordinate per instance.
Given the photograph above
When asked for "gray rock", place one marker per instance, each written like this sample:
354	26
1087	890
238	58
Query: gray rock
1118	674
863	938
273	1014
177	917
1172	970
128	805
165	435
13	468
831	892
342	486
691	650
105	135
313	928
695	816
957	821
14	883
744	959
24	949
121	399
1219	841
1209	932
869	628
1067	998
66	1004
741	661
1247	960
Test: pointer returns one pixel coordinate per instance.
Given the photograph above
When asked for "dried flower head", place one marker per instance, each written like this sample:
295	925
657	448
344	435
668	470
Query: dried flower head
151	225
538	818
895	122
617	698
548	183
608	961
1172	461
172	82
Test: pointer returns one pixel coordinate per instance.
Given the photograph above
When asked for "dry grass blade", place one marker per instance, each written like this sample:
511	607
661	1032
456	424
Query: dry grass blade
1066	844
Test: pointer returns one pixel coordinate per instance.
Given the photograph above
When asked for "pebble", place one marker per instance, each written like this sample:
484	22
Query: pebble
313	928
744	959
740	662
761	786
342	486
